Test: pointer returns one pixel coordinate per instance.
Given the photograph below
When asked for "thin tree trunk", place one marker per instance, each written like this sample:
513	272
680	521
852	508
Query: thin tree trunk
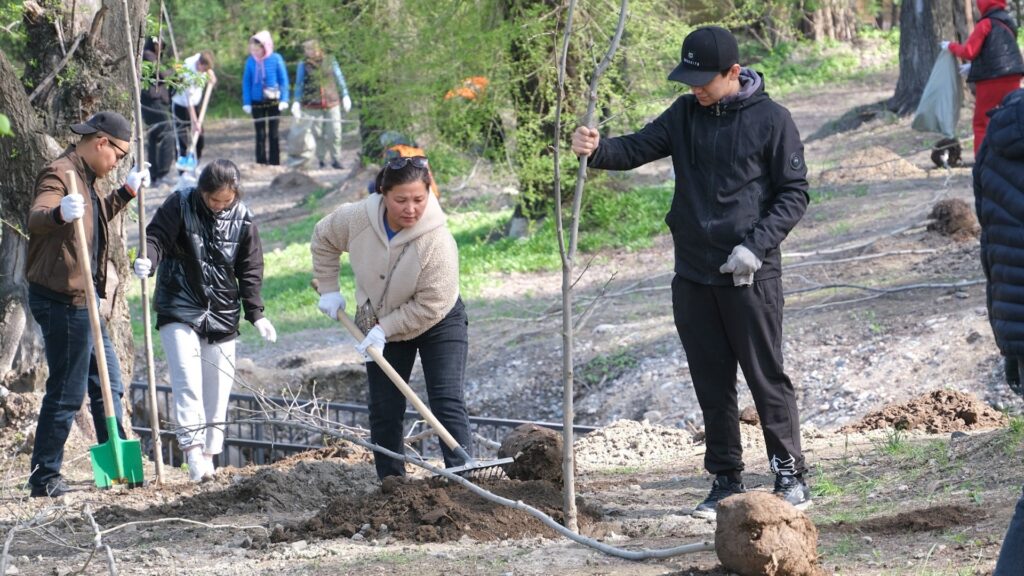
923	24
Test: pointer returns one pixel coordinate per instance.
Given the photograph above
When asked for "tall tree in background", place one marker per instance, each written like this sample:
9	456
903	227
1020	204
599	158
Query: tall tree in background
923	24
78	66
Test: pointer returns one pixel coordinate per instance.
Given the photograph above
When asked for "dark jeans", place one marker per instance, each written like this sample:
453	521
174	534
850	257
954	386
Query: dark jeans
720	327
159	138
266	116
443	351
1011	557
67	337
183	127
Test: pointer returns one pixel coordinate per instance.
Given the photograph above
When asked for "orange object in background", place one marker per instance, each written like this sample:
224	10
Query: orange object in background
472	88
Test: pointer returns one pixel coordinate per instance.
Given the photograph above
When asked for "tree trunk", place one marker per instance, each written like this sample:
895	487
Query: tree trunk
97	76
831	20
923	24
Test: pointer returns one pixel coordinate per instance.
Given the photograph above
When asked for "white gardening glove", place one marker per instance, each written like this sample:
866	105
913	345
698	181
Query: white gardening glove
965	69
72	207
346	103
138	178
142	267
266	329
376	339
330	303
247	109
944	45
296	110
282	106
742	264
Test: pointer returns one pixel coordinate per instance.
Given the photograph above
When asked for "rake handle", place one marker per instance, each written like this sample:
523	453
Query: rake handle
406	391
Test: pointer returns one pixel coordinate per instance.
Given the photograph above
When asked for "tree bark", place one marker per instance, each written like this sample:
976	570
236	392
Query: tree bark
923	24
831	20
98	77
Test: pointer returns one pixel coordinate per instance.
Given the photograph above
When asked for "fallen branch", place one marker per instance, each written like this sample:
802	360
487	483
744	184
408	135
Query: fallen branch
876	292
53	73
858	258
98	544
184	521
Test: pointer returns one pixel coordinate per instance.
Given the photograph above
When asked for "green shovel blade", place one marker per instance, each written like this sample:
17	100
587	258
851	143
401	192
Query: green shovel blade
117	460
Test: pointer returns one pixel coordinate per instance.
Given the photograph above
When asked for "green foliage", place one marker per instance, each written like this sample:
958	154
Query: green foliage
603	368
5	126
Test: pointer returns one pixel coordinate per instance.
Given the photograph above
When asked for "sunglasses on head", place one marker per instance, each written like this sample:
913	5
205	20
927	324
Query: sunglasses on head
403	161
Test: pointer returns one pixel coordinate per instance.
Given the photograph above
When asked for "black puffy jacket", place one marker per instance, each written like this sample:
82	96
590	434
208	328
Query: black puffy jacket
999	201
210	265
1000	55
740	177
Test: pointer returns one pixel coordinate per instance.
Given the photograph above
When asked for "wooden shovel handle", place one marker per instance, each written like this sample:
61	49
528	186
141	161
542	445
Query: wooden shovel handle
85	261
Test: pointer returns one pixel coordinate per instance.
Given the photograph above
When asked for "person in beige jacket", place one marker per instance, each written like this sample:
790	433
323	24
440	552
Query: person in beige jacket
406	268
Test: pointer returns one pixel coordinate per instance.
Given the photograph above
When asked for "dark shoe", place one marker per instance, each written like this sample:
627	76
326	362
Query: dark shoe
721	489
336	165
794	490
54	488
1013	375
321	163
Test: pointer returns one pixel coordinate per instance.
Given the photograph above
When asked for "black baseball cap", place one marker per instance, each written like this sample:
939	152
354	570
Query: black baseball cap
108	122
707	51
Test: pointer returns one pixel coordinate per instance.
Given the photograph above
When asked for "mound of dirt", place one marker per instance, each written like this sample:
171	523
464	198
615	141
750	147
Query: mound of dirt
935	412
925	520
871	165
432	510
759	534
955	218
296	183
631	443
537	452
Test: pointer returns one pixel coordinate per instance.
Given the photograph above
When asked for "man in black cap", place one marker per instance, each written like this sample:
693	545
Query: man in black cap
57	285
741	186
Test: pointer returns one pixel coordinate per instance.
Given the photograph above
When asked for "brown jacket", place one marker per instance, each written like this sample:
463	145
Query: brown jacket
52	253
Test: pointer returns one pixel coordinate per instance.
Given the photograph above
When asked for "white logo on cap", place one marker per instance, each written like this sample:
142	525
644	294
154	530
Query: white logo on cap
691	60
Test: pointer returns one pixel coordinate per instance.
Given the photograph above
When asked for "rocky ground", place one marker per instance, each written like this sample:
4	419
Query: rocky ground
911	434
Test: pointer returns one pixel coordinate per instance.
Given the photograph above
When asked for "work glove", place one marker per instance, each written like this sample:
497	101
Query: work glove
376	339
282	106
247	109
142	267
266	330
72	207
346	103
965	69
585	141
138	178
944	45
296	110
330	303
742	264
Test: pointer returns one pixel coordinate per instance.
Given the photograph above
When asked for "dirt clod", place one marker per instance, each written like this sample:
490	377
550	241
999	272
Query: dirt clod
758	534
955	218
935	412
537	452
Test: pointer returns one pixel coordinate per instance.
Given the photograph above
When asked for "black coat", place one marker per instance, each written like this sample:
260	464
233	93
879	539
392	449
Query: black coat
1000	55
740	178
999	201
210	265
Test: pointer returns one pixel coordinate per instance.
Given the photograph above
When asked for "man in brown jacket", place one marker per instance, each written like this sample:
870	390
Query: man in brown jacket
57	285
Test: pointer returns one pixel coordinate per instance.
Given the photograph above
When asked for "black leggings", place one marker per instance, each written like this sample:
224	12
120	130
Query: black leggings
266	116
183	128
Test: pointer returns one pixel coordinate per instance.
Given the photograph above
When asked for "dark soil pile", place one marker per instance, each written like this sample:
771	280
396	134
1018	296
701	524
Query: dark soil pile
925	520
537	452
759	534
955	218
936	412
433	510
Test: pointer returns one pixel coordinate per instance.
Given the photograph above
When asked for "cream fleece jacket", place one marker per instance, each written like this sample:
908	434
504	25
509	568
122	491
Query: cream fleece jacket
425	277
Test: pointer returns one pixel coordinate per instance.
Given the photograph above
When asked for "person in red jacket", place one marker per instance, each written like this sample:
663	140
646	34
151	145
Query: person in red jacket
995	66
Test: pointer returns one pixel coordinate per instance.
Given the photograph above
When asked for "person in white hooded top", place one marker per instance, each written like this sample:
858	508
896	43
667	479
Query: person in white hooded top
406	267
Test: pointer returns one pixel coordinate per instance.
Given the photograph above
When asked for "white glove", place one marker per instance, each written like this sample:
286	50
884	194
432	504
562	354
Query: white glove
944	45
296	110
142	267
376	339
282	106
138	178
266	330
346	103
72	207
247	109
965	69
742	264
330	303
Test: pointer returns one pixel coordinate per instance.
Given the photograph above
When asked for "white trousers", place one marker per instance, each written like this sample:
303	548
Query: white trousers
201	377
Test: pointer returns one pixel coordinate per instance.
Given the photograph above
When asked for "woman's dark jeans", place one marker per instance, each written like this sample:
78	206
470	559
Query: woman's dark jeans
67	337
1011	557
442	349
265	116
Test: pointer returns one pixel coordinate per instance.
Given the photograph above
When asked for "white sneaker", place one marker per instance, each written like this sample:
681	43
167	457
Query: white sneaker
196	464
211	470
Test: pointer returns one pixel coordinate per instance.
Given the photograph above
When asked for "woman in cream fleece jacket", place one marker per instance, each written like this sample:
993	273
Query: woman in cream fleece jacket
406	268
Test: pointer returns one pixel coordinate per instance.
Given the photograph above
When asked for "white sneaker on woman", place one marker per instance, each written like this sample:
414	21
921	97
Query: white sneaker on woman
197	465
211	470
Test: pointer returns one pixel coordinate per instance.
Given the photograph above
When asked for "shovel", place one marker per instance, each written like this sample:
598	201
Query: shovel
116	460
188	162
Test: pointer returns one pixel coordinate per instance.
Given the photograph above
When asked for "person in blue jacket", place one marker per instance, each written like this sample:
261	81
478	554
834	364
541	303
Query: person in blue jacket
265	95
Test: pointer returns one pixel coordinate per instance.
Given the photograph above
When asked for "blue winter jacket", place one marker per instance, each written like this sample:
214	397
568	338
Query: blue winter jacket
275	75
999	201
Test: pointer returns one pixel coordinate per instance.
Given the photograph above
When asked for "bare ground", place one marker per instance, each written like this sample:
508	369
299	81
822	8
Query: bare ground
921	481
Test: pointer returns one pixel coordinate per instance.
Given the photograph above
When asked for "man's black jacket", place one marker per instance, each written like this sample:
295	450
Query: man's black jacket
740	177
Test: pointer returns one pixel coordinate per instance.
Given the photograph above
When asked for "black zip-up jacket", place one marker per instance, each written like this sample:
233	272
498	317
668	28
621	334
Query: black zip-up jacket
209	264
1000	55
740	177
